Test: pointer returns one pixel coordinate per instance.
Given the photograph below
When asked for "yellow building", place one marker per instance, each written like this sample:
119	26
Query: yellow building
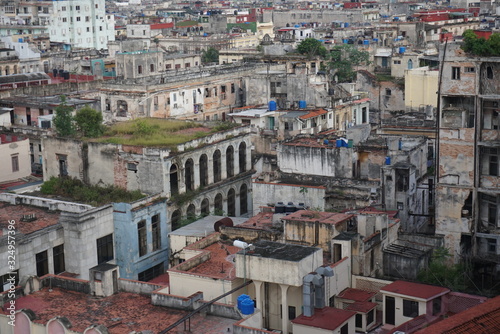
421	86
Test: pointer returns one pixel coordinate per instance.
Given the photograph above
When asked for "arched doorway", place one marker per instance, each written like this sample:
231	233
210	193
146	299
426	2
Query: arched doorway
242	157
230	161
217	166
189	174
205	207
243	199
218	206
191	212
176	219
203	170
231	203
174	180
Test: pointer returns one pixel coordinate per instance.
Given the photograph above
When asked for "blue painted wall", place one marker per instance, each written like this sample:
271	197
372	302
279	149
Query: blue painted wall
127	239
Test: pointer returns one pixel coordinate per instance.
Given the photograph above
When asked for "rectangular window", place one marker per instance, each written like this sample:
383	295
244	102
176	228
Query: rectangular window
493	162
42	264
455	73
58	256
291	313
77	7
155	228
105	249
492	246
78	19
410	308
359	320
151	273
15	163
142	238
6	280
370	317
344	329
470	70
232	88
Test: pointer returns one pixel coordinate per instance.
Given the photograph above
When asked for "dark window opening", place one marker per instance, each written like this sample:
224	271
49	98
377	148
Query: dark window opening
218	206
203	170
176	219
436	306
149	274
243	199
189	174
359	320
8	279
205	207
174	180
105	249
190	212
58	256
344	329
217	165
410	308
291	313
231	203
156	232
489	72
370	317
455	73
42	264
402	179
242	157
142	238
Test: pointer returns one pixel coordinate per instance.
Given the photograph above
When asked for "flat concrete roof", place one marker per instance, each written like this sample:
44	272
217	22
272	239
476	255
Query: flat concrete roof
280	251
204	226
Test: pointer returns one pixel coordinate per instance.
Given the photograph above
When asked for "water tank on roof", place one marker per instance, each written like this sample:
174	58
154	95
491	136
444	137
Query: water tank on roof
240	299
366	42
289	208
346	24
279	208
338	143
302	104
387	160
272	105
66	75
226	221
247	306
402	49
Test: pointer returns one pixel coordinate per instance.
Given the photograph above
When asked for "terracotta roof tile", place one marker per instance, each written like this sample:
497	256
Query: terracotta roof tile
326	318
417	290
363	307
313	113
322	217
15	212
356	295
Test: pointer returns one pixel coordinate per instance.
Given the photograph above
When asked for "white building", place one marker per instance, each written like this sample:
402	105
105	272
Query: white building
82	24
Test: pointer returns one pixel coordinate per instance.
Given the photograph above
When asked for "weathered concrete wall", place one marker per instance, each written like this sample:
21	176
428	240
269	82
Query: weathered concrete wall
137	286
18	150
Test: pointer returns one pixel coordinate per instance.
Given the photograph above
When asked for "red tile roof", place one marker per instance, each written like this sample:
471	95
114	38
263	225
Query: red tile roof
323	217
356	294
326	318
481	319
15	212
363	307
417	290
313	113
121	313
162	25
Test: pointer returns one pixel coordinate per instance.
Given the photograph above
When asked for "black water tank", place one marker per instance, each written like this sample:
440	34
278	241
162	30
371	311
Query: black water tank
279	208
290	208
54	72
66	75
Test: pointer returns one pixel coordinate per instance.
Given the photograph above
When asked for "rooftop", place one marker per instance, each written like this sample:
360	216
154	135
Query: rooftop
326	318
42	218
120	313
313	216
313	113
363	307
279	251
481	319
204	226
7	139
416	290
220	264
356	295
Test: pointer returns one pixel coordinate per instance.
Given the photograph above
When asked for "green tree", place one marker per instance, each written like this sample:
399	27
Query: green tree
63	120
480	46
210	55
344	59
89	122
312	47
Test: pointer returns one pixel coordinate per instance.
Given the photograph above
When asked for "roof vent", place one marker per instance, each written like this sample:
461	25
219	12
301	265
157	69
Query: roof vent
28	218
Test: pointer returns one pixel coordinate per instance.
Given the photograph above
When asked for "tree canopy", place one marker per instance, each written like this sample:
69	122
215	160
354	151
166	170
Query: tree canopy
89	122
211	55
63	120
312	47
344	59
481	46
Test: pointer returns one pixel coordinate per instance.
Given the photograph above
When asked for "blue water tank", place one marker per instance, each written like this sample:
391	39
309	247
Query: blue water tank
297	26
272	105
375	39
325	141
240	299
338	142
345	41
402	49
387	160
346	24
302	104
20	40
366	42
247	306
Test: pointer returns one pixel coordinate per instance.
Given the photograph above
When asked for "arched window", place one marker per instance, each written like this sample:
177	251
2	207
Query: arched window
205	207
191	212
410	64
174	180
230	161
217	166
242	157
218	207
189	174
176	219
23	323
489	72
203	170
231	203
243	199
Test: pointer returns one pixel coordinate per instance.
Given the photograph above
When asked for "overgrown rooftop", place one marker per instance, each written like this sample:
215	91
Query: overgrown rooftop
156	132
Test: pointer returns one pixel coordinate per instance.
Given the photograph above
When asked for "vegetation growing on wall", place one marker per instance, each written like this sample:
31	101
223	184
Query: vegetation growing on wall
76	190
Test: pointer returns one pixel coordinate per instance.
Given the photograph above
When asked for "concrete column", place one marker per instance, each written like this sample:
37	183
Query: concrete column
258	297
284	305
210	168
223	165
236	160
196	172
249	157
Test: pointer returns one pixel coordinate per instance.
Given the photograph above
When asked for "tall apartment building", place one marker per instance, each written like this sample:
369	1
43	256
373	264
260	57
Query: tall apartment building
81	24
468	169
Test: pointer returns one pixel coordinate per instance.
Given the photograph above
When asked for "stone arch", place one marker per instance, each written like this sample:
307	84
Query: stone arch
189	174
243	199
203	170
205	207
242	157
191	211
230	161
231	202
176	219
217	167
57	325
23	322
174	179
218	204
